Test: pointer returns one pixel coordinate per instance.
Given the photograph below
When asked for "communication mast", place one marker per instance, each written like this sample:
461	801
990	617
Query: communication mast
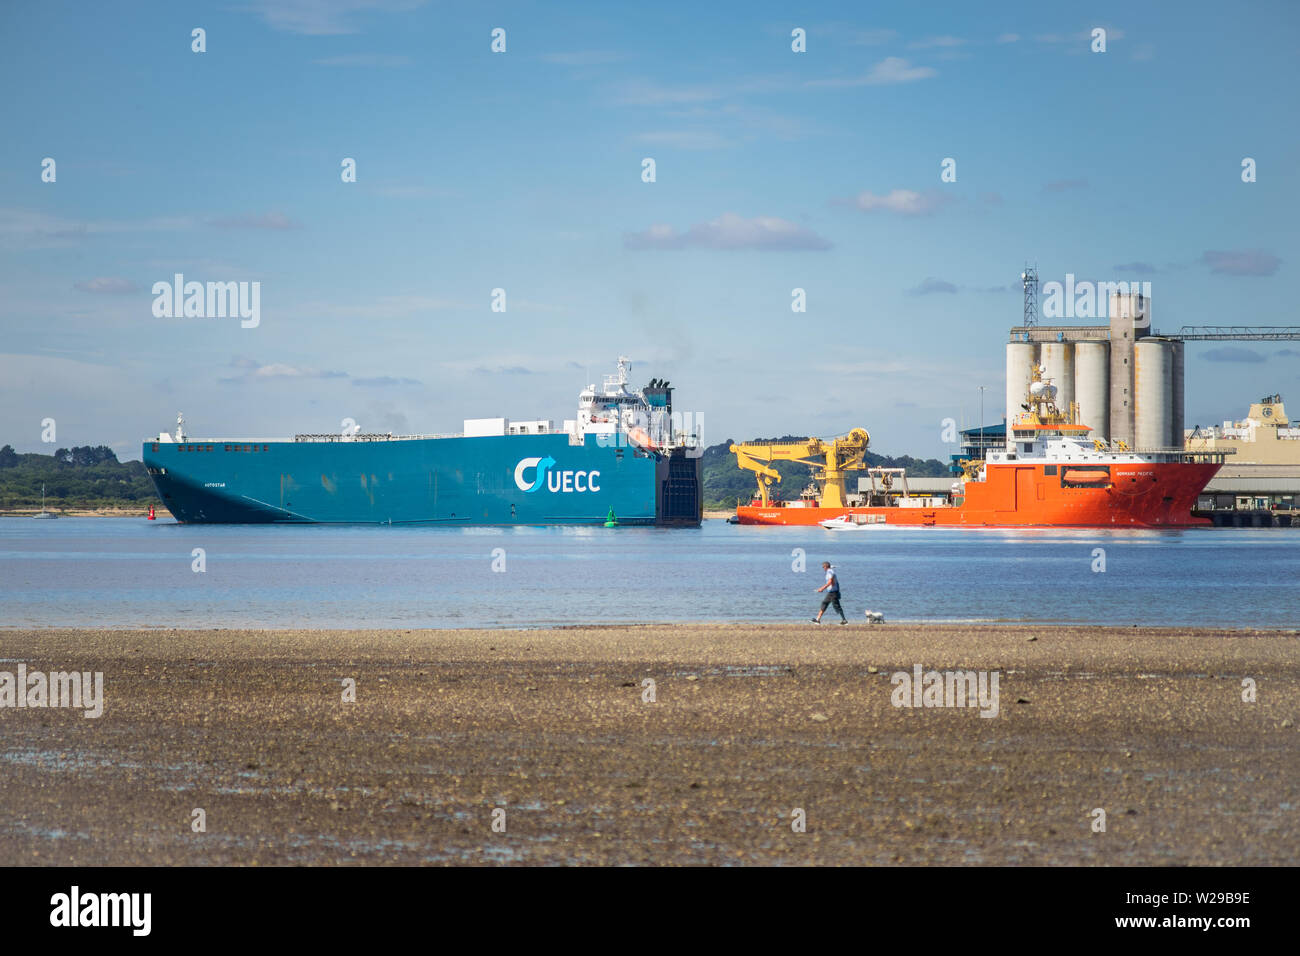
1029	279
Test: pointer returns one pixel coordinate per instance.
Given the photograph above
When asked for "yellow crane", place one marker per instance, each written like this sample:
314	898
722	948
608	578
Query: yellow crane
829	461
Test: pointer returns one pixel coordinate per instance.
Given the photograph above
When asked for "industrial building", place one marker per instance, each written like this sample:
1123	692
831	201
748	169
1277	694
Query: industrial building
1126	383
1252	496
976	443
1260	484
1264	437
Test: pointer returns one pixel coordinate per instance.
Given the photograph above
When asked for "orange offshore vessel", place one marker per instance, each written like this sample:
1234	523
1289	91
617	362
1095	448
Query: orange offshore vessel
1049	475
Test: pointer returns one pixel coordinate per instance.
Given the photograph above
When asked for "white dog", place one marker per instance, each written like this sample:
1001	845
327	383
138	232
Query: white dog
875	617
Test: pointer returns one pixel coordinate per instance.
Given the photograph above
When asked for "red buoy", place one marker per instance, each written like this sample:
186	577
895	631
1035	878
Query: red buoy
151	517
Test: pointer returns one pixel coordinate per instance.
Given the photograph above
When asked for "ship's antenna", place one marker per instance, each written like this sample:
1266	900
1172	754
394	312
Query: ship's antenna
1029	279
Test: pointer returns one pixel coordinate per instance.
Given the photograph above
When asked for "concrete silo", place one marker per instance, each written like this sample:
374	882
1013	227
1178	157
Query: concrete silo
1057	359
1153	380
1127	317
1177	408
1092	386
1127	383
1021	357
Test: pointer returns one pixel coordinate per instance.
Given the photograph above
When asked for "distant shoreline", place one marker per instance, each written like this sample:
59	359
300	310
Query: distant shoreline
79	513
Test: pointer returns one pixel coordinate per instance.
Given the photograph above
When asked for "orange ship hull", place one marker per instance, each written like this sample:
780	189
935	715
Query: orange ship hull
1122	495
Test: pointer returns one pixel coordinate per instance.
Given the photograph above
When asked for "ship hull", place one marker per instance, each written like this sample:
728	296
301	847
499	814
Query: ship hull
493	480
1129	495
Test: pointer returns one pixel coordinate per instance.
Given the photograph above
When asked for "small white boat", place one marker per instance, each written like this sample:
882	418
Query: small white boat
851	523
43	512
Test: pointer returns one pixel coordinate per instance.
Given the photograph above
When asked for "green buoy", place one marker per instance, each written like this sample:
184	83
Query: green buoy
610	520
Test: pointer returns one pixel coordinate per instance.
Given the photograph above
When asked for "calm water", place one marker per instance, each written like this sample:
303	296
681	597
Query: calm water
115	572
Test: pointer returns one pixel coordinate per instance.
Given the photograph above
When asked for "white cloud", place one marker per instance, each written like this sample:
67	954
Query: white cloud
730	231
385	381
323	17
646	93
382	60
642	93
939	41
890	71
528	305
383	307
931	285
685	139
31	229
1079	40
110	285
905	202
253	371
741	121
398	191
1231	353
1241	262
874	37
582	58
895	69
268	220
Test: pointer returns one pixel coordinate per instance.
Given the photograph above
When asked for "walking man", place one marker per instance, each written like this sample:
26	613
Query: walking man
832	589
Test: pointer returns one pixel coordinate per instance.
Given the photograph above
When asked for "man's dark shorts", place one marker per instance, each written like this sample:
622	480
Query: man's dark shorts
832	597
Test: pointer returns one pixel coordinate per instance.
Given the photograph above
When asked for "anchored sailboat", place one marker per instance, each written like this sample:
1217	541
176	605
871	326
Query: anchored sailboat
43	513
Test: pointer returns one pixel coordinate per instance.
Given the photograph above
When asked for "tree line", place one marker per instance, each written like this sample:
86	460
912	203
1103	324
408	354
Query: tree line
81	477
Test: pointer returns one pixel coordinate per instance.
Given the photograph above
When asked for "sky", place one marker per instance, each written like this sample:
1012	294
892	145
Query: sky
524	170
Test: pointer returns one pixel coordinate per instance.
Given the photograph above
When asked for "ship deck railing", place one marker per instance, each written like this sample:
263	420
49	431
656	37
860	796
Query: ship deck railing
1190	454
245	440
620	438
373	436
1204	455
191	440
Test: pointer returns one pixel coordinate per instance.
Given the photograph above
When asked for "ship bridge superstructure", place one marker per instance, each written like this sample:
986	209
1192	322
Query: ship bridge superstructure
619	415
1045	432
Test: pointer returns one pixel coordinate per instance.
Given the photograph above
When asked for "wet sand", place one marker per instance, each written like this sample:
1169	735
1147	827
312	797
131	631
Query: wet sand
751	722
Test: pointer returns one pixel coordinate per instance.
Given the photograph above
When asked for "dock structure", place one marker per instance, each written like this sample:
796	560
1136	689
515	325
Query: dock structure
1252	496
1260	485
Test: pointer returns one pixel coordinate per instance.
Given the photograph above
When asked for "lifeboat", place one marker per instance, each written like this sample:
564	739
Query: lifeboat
1086	476
641	438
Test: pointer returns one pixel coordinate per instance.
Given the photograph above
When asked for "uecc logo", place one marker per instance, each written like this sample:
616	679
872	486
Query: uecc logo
563	482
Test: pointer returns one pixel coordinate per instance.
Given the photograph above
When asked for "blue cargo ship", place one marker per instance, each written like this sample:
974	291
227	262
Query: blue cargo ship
626	452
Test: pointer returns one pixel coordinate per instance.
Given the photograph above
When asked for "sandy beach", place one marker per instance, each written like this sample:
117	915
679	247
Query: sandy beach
753	727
